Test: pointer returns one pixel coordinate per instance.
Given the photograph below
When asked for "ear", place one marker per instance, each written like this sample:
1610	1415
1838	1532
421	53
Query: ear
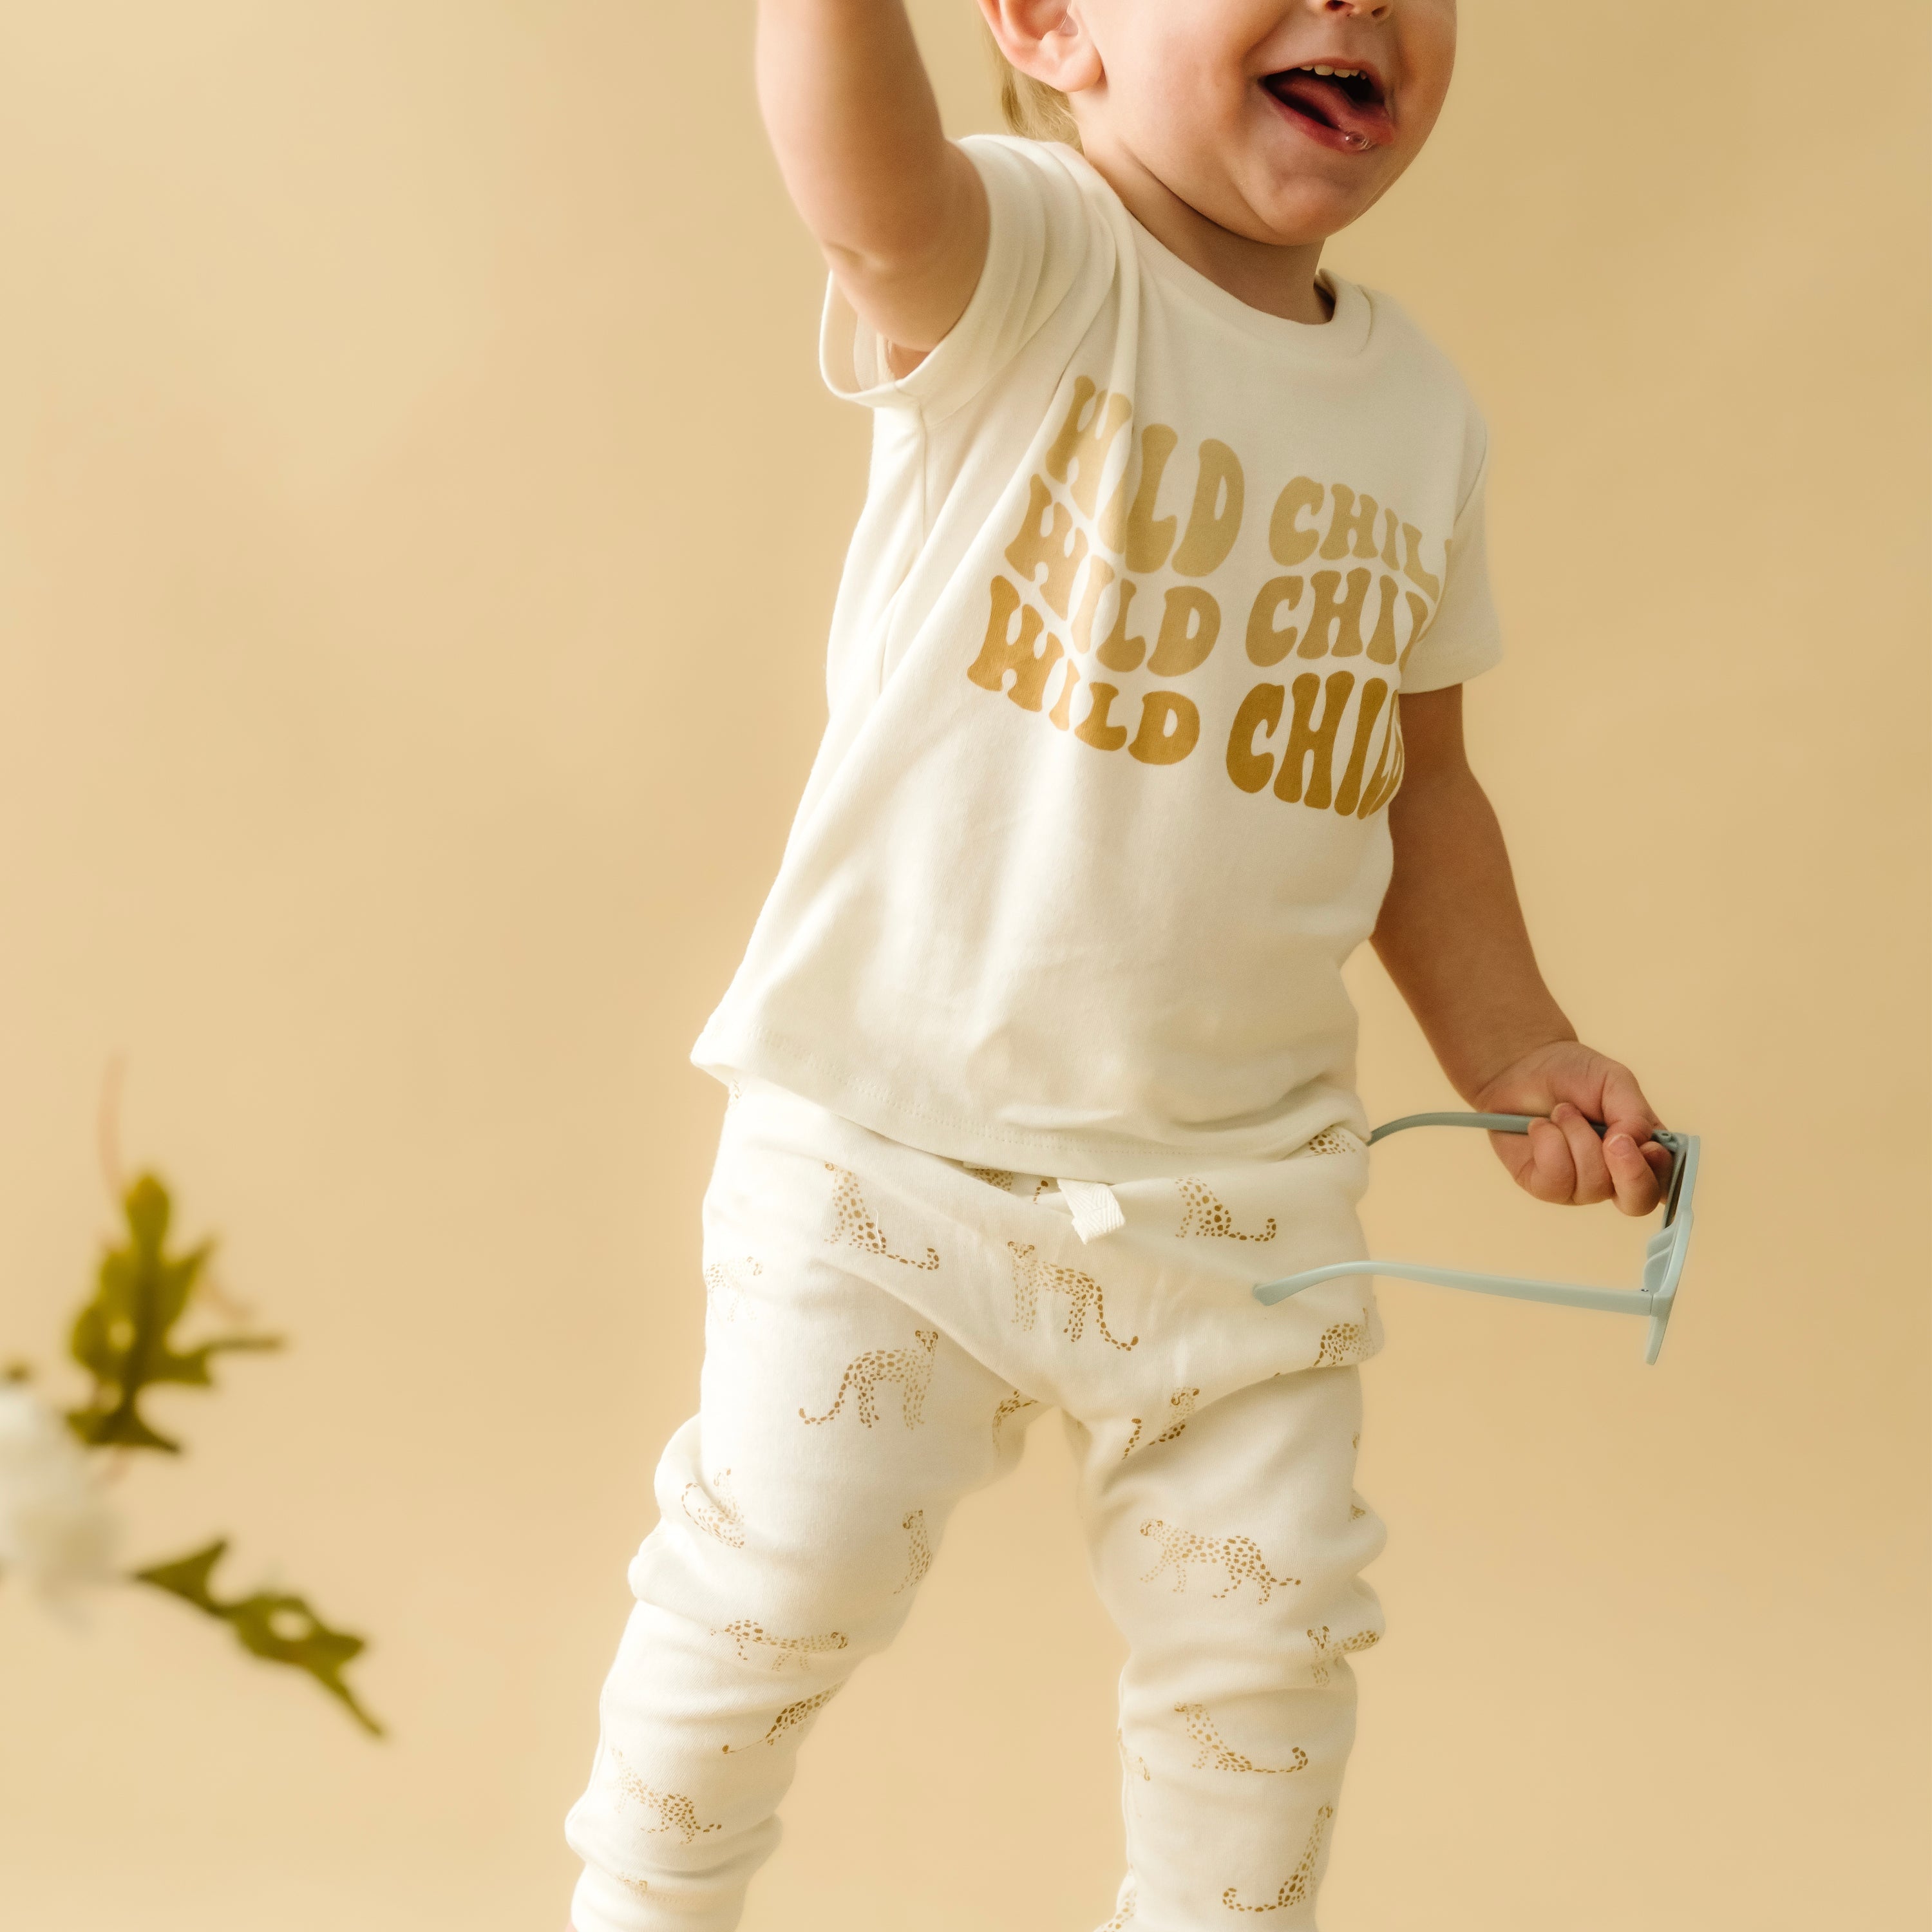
1046	39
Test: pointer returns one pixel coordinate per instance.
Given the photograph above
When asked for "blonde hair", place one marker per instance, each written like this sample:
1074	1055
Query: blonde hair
1029	107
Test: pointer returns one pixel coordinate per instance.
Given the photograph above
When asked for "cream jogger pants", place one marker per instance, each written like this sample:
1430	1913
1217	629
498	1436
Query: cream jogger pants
883	1324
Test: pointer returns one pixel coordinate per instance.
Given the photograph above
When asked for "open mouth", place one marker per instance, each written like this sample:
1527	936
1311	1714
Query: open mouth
1340	106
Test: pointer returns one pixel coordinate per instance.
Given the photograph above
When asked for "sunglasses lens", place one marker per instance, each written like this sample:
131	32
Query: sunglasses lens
1680	1160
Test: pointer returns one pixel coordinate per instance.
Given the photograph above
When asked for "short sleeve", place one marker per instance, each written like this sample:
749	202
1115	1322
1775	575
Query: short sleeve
1044	235
1464	639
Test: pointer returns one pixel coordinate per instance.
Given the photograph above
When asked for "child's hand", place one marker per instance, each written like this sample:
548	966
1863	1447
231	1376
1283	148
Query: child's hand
1561	1158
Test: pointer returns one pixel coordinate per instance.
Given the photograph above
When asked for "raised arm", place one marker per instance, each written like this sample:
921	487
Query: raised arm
899	212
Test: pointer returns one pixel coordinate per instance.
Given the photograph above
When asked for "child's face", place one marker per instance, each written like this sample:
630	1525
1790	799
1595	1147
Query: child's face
1218	101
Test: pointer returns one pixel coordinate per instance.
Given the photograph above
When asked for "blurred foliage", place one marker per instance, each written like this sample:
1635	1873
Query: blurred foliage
124	1337
278	1628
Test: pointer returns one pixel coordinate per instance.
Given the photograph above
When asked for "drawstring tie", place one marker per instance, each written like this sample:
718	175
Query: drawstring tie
1096	1212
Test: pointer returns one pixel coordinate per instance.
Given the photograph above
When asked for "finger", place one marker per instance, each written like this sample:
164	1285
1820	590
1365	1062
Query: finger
1513	1150
1551	1174
1586	1154
1625	1110
1638	1186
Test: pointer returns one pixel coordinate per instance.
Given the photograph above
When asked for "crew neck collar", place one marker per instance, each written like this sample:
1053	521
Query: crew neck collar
1345	333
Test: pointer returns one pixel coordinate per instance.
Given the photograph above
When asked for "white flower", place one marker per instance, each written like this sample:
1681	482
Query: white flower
57	1531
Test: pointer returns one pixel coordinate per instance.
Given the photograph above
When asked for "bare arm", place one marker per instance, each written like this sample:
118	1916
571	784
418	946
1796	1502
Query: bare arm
1452	936
899	212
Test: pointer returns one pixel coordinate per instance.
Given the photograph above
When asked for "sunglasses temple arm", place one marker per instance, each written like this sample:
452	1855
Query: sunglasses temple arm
1510	1288
1495	1124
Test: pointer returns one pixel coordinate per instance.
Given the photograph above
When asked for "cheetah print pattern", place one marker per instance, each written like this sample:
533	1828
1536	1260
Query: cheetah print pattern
910	1368
1334	1140
675	1812
1239	1556
747	1635
1182	1403
724	1286
1299	1886
919	1557
1343	1344
1328	1650
853	1226
1083	1295
1204	1214
897	1376
1008	1409
1210	1753
720	1519
789	1719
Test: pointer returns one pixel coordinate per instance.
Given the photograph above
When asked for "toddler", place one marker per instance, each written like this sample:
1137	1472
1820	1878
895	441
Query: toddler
1145	710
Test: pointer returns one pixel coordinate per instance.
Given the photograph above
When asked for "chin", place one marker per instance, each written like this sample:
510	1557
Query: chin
1305	194
1295	213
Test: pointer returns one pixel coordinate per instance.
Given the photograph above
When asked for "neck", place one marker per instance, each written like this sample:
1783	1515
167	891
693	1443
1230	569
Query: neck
1278	279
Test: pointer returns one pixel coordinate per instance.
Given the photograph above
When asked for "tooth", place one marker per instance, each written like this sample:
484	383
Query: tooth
1325	70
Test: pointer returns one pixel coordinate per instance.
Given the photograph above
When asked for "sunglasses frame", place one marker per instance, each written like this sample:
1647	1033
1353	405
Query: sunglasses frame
1663	1255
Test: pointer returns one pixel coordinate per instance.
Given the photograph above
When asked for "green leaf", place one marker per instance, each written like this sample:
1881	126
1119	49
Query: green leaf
124	1337
277	1628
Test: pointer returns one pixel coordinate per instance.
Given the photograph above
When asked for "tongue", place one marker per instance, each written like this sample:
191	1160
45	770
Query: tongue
1328	100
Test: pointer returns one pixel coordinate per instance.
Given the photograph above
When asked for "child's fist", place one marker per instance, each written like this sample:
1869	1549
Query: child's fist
1561	1158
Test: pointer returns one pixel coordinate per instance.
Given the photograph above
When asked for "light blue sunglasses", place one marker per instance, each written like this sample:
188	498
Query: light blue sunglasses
1662	1258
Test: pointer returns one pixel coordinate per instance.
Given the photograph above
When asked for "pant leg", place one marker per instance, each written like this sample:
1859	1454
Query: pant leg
1229	1557
799	1510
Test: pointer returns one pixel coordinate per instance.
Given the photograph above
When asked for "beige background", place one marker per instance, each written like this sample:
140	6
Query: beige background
420	523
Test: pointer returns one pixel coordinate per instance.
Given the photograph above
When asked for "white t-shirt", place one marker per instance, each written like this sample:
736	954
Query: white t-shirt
1100	812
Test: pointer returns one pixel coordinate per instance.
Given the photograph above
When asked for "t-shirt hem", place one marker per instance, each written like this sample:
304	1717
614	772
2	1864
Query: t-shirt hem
869	1104
1469	660
944	378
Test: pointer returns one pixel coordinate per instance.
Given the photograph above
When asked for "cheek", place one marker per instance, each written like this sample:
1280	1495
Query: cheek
1187	106
1428	55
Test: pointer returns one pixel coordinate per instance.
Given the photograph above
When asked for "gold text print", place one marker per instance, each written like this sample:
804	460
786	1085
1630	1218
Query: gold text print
1079	634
